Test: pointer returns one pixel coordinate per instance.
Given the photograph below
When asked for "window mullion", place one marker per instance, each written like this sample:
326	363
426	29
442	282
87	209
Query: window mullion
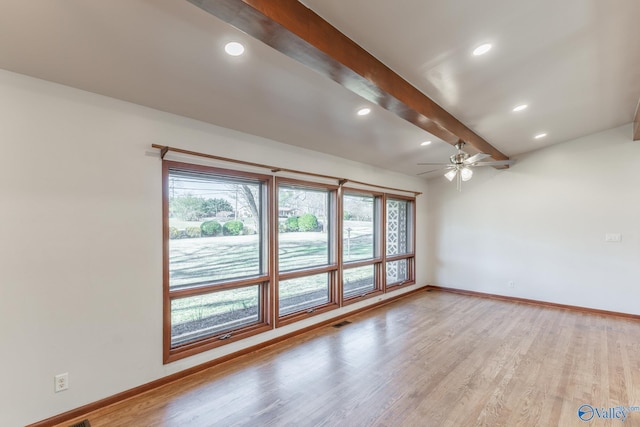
199	290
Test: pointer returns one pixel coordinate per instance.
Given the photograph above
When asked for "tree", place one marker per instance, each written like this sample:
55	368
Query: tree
211	207
191	208
250	199
360	208
187	207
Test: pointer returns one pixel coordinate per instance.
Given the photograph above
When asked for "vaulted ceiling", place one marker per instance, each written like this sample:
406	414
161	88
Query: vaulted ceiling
573	63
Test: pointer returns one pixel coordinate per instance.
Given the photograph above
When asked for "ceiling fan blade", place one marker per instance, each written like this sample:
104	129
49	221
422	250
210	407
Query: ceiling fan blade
435	170
476	158
496	163
434	164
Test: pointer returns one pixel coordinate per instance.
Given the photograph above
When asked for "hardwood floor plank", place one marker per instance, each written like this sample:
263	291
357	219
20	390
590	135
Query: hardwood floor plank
435	359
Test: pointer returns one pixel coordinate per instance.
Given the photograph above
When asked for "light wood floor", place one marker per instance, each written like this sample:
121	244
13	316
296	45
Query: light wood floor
433	359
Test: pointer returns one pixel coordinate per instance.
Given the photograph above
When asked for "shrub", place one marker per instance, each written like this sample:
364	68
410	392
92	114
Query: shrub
192	232
210	228
346	215
308	222
174	233
232	228
292	223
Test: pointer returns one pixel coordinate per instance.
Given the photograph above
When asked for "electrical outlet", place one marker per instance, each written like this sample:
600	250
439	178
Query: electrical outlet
61	382
613	237
512	284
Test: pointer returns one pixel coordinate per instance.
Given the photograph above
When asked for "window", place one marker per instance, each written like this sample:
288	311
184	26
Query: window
359	281
200	316
304	293
361	258
216	256
399	265
244	253
307	263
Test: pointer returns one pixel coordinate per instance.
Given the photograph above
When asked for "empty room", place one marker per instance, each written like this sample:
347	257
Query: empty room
320	213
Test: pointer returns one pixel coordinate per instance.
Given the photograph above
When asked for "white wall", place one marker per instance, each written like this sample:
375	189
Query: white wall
542	225
80	240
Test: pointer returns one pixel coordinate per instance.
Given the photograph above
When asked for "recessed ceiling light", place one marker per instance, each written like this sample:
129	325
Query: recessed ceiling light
234	48
425	143
482	49
520	107
540	135
364	111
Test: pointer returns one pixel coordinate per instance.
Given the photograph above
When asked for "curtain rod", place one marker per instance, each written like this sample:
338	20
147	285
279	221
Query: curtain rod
164	149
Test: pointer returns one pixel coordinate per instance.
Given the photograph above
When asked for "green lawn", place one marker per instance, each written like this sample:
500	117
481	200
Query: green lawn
206	259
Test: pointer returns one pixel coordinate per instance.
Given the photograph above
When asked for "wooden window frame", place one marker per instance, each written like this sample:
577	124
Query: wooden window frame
262	280
411	235
331	268
377	260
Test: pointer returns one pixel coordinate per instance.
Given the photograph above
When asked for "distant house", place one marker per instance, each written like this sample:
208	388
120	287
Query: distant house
287	212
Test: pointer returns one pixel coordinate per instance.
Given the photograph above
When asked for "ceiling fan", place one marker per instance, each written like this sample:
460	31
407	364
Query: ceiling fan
460	165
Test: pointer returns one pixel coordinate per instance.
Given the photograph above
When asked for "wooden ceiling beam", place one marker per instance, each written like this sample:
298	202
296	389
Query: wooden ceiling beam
636	124
291	28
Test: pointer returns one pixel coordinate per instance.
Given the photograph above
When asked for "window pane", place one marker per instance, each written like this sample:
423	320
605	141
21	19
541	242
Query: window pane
398	212
303	239
303	293
358	227
214	228
397	271
358	281
196	317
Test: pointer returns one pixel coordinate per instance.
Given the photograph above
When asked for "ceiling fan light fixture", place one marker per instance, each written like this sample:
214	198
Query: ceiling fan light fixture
466	174
451	174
